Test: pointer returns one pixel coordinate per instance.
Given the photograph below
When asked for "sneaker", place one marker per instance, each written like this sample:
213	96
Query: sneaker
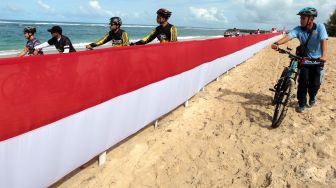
312	102
300	109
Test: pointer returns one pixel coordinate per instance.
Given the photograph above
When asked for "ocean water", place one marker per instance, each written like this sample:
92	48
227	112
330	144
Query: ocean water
12	40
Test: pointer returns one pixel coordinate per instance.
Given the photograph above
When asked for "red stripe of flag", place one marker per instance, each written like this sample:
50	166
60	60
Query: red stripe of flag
39	90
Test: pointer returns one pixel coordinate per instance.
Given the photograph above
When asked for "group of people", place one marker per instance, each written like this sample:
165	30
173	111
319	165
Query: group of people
235	32
312	36
165	32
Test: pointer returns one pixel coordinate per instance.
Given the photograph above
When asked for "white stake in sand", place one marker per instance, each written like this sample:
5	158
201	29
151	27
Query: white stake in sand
186	104
102	159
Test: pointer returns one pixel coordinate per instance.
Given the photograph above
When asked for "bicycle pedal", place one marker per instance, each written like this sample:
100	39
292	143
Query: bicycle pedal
271	89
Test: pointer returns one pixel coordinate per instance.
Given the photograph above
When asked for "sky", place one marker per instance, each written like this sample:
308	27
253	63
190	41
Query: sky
249	14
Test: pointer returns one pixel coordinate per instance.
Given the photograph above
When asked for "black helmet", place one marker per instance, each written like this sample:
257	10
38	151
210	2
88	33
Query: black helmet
310	11
55	29
29	29
116	20
164	13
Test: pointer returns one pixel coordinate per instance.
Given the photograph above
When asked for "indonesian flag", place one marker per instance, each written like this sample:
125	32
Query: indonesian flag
59	111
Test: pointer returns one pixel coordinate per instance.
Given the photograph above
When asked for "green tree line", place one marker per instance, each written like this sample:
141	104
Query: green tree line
331	25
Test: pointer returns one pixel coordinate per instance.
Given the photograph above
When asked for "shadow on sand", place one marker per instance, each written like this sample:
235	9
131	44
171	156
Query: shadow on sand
256	106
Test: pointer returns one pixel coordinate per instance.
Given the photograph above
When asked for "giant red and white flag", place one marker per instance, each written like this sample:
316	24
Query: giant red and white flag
59	111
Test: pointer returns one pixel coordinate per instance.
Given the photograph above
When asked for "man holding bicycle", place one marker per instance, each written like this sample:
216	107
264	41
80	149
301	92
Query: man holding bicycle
313	45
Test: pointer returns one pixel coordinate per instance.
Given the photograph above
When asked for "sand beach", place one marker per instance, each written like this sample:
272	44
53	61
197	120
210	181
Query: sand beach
223	138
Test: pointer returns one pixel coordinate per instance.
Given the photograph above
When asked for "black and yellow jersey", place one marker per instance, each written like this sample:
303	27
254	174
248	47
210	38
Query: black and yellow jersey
120	38
163	34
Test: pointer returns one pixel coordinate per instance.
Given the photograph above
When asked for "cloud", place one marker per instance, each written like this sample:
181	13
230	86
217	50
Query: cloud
280	11
324	8
265	11
44	5
13	8
210	14
94	4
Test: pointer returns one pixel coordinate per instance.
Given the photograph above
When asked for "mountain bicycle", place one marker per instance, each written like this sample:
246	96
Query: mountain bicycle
283	89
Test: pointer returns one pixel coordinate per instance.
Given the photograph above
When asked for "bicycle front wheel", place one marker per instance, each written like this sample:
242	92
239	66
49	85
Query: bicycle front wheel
282	103
278	86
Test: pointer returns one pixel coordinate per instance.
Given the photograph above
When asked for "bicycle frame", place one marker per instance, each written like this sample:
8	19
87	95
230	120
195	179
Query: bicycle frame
283	88
292	69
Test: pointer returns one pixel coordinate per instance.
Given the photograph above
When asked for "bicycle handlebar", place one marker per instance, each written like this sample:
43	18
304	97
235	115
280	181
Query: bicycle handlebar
296	57
292	56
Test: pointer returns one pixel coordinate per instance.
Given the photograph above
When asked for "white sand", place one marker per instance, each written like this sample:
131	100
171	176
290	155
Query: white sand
223	139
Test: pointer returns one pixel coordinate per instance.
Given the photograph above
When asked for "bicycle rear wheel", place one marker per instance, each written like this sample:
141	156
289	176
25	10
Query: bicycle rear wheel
282	103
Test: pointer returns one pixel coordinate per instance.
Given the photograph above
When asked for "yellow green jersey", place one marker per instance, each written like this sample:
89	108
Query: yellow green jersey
120	38
163	34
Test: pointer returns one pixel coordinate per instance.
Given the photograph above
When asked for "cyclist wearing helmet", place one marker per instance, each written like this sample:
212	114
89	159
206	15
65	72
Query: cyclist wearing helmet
313	39
118	36
165	32
62	43
29	34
